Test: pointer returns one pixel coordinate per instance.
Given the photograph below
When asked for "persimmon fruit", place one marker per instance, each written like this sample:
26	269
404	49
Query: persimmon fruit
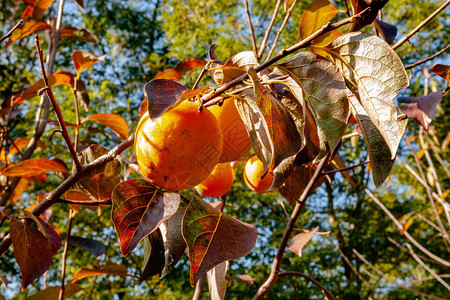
218	183
236	142
253	172
179	149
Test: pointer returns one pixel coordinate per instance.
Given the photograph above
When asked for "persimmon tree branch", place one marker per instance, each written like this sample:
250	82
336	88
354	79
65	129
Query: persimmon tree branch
10	33
423	23
269	28
252	31
207	99
49	92
276	264
312	280
346	168
54	196
417	63
64	255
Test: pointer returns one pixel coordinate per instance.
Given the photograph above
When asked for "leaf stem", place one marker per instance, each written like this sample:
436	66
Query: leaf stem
423	23
10	33
64	255
49	92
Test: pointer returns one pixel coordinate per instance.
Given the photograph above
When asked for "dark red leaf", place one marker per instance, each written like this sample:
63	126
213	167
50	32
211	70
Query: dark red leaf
54	240
161	94
31	250
154	258
421	109
138	210
95	247
368	18
213	237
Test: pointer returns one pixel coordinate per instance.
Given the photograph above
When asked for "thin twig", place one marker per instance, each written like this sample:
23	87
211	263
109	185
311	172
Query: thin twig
269	28
418	27
250	25
286	18
86	203
132	166
414	255
202	73
54	196
10	33
208	98
276	264
407	235
345	169
428	58
64	256
49	92
318	284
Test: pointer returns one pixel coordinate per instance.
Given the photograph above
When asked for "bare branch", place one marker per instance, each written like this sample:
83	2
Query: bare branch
64	256
252	31
269	28
10	33
428	58
345	169
423	23
315	282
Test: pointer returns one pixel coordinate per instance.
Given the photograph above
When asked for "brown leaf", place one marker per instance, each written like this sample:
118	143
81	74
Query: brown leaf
83	60
339	163
113	121
368	18
110	269
32	167
247	279
161	95
213	237
138	210
52	292
300	240
54	240
234	67
154	259
3	213
30	26
421	109
31	251
217	283
189	65
98	183
81	34
442	70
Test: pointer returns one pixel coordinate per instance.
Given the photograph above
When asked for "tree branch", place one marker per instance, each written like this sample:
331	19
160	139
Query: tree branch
10	33
318	284
423	23
269	28
250	25
64	256
274	272
428	58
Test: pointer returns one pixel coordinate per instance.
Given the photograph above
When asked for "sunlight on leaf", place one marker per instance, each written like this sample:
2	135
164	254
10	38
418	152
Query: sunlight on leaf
32	167
110	269
83	60
115	122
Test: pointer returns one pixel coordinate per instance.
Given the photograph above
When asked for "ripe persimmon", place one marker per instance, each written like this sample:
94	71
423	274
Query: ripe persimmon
179	149
218	182
236	142
253	172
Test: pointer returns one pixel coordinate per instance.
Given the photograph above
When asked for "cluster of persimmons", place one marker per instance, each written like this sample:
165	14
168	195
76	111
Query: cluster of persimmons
187	147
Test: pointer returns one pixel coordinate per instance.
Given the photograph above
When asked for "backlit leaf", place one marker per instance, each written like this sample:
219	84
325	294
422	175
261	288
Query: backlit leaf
81	34
98	183
138	210
189	65
110	269
325	93
20	144
162	94
217	283
38	8
317	14
407	224
236	66
52	292
115	122
300	240
154	259
421	109
387	30
213	237
93	246
169	74
31	251
30	26
442	70
20	189
32	167
375	74
83	60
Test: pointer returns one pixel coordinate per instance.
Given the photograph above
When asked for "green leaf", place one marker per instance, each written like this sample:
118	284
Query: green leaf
325	94
375	74
213	237
138	209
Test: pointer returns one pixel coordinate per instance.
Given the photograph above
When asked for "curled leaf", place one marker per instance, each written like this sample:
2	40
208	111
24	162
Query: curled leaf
421	109
83	60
